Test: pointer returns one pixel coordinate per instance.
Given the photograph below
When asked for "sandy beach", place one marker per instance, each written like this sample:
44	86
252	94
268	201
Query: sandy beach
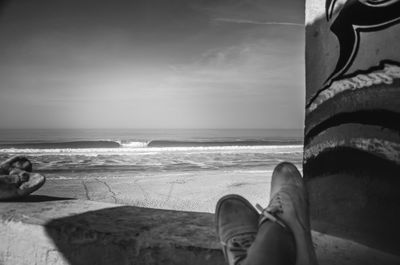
188	191
178	169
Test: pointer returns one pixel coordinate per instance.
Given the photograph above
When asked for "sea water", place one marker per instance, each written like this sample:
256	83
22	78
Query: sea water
81	152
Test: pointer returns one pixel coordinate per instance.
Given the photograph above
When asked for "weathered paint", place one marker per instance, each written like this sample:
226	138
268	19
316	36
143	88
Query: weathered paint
352	127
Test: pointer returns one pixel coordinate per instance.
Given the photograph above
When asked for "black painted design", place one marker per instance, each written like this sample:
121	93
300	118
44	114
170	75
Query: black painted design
329	5
384	118
358	16
348	76
351	161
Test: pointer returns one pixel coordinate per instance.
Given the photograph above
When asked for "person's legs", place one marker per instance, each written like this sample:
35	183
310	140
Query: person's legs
283	235
15	179
245	242
289	205
15	162
274	245
237	224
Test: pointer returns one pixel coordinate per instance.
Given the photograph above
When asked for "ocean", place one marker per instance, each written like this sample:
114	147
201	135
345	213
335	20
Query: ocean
80	152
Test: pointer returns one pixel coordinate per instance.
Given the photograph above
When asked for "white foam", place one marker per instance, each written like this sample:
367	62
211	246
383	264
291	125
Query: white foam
134	144
154	150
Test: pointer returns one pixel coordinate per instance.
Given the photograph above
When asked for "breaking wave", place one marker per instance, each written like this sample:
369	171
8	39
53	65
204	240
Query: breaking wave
107	144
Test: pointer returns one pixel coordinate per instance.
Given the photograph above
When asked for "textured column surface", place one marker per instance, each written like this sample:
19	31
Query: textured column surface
352	128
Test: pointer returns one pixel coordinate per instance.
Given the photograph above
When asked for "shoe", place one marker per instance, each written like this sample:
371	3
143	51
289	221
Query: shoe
237	226
289	207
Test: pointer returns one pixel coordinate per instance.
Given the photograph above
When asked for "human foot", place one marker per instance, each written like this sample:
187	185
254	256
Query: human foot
16	181
289	207
237	226
19	184
19	162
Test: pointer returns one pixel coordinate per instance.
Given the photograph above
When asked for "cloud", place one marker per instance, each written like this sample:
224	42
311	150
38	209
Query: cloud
246	21
254	66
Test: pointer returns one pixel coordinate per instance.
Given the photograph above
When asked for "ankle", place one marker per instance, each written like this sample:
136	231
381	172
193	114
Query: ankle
305	250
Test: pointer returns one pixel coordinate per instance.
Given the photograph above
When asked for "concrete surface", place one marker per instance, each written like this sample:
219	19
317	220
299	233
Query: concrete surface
51	230
196	191
84	232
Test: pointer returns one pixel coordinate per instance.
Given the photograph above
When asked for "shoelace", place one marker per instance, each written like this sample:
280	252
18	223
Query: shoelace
242	241
265	215
238	246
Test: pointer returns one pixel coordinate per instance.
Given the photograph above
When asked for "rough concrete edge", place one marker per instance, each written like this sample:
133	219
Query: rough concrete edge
28	238
24	240
335	250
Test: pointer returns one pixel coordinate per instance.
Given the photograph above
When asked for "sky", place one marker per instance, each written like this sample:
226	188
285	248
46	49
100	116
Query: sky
152	64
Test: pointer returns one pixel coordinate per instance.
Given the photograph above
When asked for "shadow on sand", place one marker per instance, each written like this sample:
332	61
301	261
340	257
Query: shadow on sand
132	235
36	198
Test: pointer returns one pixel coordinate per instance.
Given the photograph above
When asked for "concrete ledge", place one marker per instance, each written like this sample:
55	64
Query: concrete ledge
86	232
46	230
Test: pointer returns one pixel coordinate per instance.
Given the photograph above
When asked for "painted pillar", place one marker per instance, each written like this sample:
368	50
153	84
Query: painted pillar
352	127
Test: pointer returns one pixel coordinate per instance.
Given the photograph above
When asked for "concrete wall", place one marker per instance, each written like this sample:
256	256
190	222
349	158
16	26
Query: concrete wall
56	231
352	127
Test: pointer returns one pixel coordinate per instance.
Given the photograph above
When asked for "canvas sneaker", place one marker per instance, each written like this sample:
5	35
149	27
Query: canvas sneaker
289	207
237	226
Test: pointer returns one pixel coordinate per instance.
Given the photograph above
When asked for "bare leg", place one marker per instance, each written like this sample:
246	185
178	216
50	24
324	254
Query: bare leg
273	245
9	186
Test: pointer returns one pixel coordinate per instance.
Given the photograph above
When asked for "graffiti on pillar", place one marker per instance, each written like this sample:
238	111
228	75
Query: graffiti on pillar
357	111
359	16
352	124
354	17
